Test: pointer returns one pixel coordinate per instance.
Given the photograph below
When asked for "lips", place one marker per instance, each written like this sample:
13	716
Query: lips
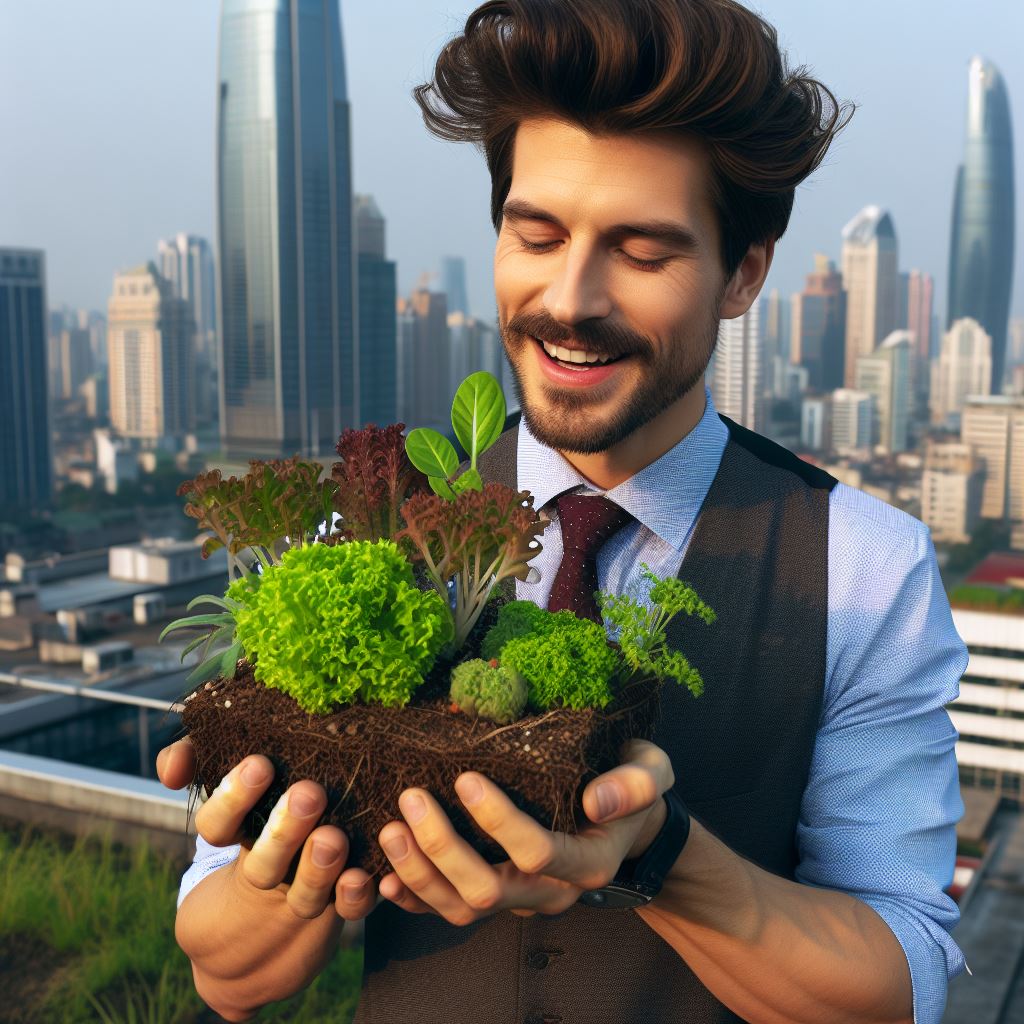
575	374
574	356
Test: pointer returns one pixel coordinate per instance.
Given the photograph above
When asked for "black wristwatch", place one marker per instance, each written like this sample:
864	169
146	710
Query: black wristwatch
638	881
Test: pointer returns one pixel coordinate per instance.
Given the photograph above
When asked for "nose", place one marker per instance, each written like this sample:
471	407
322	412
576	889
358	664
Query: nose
578	290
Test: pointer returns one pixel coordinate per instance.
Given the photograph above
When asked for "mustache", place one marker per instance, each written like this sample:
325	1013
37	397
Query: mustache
599	338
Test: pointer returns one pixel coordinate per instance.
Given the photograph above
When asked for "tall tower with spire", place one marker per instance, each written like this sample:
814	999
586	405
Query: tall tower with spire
981	243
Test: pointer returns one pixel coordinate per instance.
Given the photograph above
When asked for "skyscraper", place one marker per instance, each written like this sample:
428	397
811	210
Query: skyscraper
289	366
378	323
186	263
981	244
151	346
26	476
819	326
920	288
871	280
885	374
424	347
964	367
453	284
738	379
852	417
994	426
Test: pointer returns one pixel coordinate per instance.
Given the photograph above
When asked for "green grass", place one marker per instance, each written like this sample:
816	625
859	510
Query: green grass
105	915
971	596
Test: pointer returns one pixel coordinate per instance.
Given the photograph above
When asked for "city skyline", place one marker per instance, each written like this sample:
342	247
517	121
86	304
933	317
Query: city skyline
922	137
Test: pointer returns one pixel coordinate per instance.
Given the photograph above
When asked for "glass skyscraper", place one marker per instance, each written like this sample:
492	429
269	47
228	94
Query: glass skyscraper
981	247
26	480
287	297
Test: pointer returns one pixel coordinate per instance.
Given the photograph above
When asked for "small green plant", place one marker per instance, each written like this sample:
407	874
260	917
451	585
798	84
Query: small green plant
486	689
568	664
336	623
643	638
478	417
516	618
475	541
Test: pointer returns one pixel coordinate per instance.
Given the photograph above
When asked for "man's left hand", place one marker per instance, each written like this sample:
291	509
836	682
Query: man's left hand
547	871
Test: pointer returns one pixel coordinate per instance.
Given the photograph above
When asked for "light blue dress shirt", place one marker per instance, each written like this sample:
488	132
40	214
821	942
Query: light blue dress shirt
878	817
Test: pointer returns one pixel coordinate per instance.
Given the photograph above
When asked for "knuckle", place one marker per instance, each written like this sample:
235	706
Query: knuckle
461	918
305	903
484	899
433	844
534	861
258	873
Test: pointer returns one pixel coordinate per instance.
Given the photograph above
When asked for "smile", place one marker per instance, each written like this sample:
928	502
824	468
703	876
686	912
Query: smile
575	366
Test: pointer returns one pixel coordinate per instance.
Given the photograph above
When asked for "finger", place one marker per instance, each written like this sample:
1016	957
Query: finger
393	889
355	894
293	818
176	764
219	820
586	861
323	856
631	787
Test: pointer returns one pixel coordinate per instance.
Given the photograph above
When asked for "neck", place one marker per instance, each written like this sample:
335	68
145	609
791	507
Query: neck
611	467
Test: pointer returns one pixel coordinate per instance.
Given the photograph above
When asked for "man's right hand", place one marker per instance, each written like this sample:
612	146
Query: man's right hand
253	938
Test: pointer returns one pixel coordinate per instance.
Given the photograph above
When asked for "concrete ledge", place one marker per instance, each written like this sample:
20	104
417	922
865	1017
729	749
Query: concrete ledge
85	800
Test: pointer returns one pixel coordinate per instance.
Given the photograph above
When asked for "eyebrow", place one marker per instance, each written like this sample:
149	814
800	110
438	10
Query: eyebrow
661	230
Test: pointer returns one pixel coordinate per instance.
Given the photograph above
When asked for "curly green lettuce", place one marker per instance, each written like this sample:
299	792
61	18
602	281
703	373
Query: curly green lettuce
337	623
568	664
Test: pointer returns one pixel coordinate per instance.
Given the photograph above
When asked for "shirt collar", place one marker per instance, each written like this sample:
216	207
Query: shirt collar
665	496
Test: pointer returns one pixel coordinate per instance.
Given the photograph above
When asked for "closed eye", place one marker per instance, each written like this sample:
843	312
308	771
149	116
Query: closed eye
647	265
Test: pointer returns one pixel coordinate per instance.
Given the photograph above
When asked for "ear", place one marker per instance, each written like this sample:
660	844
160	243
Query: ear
745	284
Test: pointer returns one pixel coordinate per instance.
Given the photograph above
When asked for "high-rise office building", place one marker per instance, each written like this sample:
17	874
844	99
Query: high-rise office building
424	367
74	356
453	284
1015	348
378	322
994	426
871	280
738	387
474	345
819	326
776	318
964	367
951	487
816	422
852	419
151	345
981	244
186	261
26	473
920	290
885	374
289	365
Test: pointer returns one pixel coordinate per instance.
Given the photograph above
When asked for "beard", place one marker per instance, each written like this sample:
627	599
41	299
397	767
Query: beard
571	419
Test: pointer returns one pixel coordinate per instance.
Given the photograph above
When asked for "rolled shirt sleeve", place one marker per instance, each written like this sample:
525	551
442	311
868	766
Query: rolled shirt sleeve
208	858
878	817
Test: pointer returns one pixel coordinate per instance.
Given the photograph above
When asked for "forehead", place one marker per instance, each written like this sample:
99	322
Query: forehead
612	177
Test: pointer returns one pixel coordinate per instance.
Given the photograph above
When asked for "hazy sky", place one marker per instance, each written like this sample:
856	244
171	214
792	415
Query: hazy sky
107	131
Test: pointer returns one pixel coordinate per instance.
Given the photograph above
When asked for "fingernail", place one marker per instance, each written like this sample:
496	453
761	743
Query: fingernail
470	791
324	855
353	893
302	804
396	848
413	808
254	773
607	799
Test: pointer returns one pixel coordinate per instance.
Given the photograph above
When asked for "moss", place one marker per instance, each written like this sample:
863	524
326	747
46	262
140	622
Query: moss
486	689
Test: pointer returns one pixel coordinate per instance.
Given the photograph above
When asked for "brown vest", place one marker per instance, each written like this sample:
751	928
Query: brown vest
741	755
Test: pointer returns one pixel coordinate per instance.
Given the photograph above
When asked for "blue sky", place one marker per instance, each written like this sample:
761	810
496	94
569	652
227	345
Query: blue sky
107	129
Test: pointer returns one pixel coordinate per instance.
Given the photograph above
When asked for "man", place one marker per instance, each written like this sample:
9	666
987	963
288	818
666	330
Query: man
644	156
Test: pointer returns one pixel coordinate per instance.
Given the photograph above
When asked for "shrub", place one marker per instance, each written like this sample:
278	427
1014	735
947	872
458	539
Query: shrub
336	623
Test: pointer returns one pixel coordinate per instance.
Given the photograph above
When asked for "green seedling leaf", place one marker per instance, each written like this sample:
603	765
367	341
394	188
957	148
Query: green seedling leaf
478	413
221	602
431	453
218	619
440	486
229	659
468	481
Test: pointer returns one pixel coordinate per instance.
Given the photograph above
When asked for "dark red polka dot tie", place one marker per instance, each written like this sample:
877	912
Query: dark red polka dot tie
587	521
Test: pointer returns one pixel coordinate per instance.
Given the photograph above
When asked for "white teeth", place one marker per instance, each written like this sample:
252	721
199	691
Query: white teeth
573	355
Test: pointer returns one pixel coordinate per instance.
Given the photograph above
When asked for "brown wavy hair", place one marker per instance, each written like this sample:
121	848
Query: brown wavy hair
706	68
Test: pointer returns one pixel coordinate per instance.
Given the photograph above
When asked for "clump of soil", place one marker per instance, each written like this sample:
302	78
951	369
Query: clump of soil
366	755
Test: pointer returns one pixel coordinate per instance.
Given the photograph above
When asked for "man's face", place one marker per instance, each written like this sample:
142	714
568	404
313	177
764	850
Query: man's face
566	272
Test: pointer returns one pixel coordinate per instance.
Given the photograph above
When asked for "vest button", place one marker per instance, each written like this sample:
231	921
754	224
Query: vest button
538	960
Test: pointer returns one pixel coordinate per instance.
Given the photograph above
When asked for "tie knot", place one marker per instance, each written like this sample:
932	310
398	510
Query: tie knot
587	521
